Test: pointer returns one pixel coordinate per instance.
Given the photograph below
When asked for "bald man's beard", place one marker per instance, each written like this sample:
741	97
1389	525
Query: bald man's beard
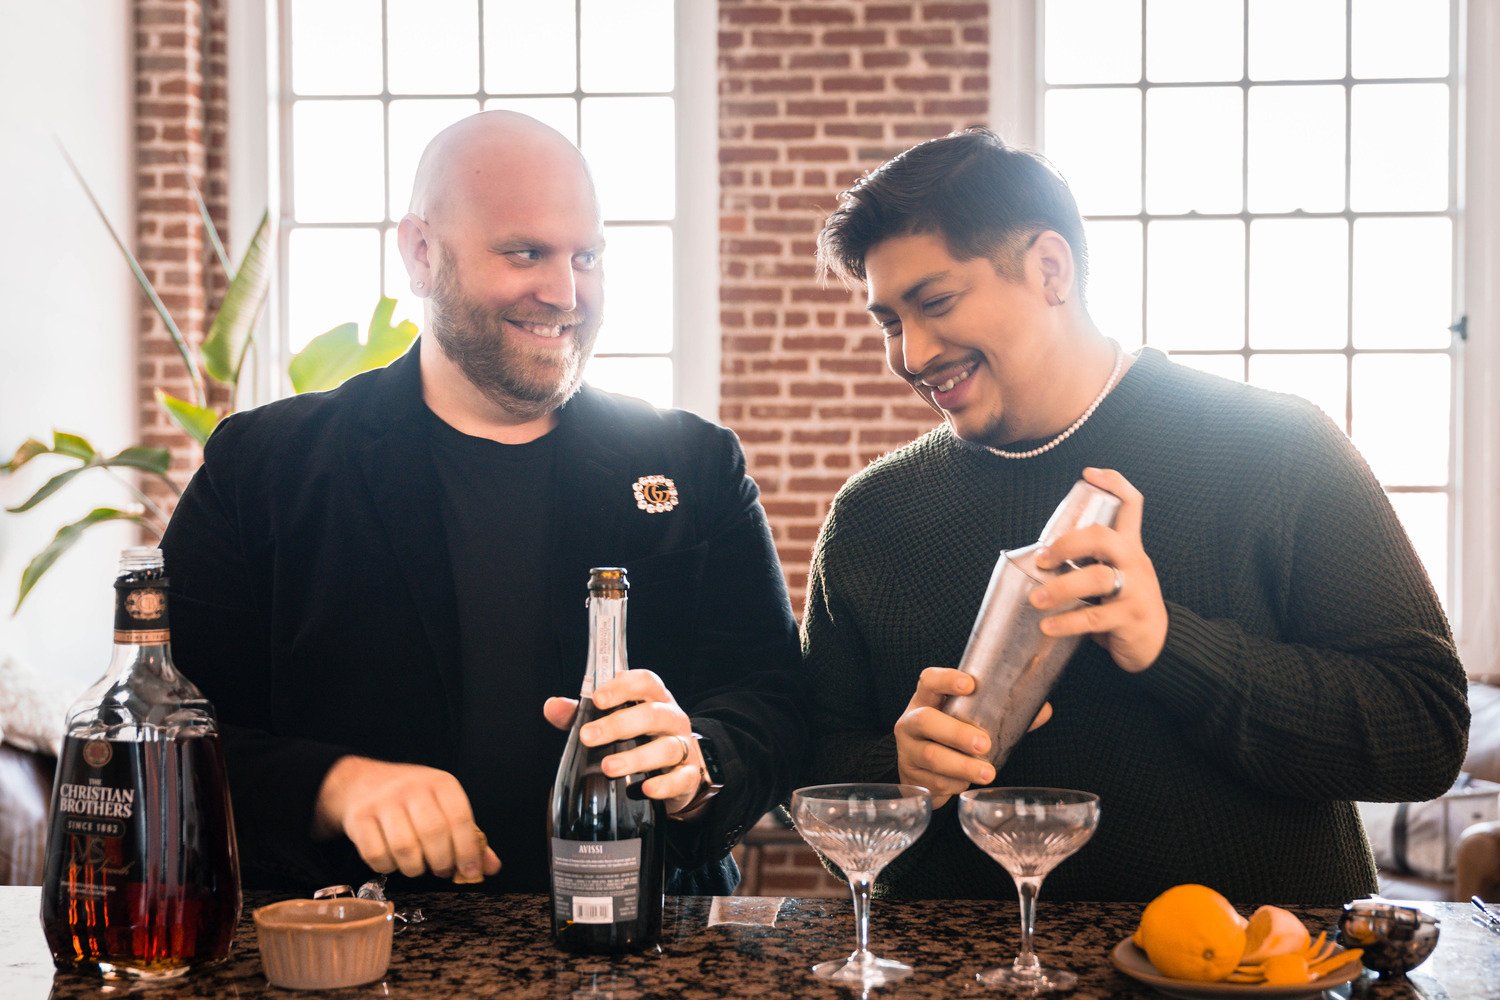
525	380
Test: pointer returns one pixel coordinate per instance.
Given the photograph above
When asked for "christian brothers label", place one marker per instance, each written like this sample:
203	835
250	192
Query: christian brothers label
95	820
596	881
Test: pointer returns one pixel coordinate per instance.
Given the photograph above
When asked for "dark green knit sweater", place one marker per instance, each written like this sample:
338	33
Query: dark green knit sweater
1307	662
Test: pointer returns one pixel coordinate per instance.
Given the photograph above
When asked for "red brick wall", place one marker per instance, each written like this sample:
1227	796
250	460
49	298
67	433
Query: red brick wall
181	120
812	94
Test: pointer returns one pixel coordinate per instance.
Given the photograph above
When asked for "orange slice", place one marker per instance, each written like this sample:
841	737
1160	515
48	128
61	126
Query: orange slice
1274	931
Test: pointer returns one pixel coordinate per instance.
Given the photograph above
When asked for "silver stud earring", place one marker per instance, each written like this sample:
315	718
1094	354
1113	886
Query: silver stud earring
421	284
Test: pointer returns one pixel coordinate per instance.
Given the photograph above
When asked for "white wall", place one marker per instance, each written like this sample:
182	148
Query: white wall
68	310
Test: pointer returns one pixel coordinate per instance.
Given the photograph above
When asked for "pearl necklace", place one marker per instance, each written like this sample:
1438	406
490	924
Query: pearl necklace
1114	376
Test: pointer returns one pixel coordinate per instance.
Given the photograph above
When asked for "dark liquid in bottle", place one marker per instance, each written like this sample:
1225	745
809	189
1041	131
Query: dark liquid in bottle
142	878
590	808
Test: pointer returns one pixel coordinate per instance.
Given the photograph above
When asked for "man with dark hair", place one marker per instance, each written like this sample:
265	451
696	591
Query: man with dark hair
1266	645
379	587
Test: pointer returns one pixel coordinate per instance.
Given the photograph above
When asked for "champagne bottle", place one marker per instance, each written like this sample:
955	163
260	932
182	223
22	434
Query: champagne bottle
142	873
608	849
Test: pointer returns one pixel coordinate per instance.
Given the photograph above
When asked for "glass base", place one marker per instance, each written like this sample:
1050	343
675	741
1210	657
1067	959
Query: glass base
866	970
149	973
1033	980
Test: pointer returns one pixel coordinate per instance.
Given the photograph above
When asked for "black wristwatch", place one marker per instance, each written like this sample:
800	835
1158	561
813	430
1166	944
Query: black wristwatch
710	780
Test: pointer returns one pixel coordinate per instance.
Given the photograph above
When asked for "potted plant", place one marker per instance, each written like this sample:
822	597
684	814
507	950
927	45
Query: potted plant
325	363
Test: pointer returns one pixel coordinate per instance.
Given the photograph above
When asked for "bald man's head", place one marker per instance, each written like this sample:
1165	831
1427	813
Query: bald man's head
480	148
503	241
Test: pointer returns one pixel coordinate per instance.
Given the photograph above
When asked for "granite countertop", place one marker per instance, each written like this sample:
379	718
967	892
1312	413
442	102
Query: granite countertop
473	945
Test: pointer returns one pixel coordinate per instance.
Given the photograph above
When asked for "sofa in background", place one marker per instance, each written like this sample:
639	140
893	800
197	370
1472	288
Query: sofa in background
1478	855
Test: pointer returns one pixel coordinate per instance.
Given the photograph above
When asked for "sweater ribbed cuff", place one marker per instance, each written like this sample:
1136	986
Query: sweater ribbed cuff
1197	663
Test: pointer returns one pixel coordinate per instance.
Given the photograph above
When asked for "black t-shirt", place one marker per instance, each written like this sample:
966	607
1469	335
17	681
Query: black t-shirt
496	513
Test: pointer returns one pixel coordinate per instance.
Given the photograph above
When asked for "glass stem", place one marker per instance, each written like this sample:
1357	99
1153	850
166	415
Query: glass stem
860	887
1026	963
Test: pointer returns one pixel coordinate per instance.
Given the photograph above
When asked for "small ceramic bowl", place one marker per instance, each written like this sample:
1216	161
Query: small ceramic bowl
322	944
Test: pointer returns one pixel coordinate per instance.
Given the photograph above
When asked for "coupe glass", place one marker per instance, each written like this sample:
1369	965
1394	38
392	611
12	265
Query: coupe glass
1028	831
861	829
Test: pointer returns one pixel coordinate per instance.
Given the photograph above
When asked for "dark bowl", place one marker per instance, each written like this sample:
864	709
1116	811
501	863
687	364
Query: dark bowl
1394	939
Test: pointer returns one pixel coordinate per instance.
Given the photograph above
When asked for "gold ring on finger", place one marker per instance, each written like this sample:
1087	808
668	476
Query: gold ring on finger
686	750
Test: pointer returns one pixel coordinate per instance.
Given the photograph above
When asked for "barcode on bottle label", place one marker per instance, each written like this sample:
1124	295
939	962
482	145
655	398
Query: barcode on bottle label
593	909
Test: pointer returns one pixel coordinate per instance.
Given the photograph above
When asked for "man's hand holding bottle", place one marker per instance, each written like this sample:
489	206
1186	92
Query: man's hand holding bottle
650	714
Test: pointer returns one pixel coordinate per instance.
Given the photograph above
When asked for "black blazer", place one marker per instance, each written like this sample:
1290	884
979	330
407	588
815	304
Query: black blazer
313	602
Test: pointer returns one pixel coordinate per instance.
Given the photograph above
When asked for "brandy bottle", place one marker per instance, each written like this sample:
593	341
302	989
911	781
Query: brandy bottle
142	873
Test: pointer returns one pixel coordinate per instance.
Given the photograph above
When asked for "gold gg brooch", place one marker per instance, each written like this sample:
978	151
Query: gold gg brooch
655	494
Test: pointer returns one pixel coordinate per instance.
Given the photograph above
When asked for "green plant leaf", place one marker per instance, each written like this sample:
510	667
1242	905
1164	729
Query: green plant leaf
63	541
140	278
198	421
48	488
333	357
157	460
154	460
234	324
73	446
208	220
30	448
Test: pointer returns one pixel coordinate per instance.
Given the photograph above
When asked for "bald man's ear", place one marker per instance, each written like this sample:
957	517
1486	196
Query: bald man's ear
416	252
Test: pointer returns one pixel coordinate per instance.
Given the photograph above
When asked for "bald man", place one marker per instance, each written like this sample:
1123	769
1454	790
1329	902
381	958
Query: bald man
381	587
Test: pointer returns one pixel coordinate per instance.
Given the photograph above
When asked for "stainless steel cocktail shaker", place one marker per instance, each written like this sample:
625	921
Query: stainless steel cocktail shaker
1014	664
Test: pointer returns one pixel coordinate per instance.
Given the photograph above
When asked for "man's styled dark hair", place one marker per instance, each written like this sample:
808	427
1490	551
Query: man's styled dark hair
987	199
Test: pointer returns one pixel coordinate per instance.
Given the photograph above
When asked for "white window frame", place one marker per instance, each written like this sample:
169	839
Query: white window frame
1474	599
254	183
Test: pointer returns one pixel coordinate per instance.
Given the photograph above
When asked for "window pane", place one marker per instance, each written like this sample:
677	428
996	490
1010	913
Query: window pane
1321	379
1406	444
434	46
1092	41
559	112
1403	282
1299	276
645	378
1296	149
1425	518
1080	123
529	47
1296	39
336	46
413	124
627	45
397	284
333	277
1230	366
1115	280
337	161
630	145
1193	150
1400	147
638	290
1195	40
1195	294
1400	38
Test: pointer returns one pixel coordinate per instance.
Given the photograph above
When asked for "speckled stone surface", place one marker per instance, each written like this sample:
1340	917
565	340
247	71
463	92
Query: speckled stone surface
481	946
